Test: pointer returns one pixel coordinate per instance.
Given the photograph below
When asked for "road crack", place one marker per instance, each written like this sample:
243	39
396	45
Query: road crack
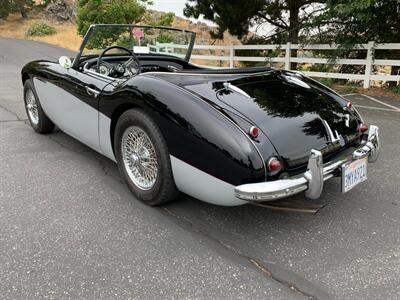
11	112
10	121
237	252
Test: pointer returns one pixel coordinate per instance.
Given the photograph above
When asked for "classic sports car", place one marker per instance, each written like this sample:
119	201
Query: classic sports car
224	136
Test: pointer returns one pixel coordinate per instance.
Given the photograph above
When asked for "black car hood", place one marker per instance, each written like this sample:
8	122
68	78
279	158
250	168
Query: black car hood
297	114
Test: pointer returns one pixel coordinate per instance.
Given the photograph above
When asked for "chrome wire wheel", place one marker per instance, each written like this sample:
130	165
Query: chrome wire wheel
31	107
139	157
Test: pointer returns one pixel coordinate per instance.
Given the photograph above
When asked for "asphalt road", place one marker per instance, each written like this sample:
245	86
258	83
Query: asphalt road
70	229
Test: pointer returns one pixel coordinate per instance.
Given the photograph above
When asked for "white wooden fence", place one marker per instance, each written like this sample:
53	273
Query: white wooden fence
369	62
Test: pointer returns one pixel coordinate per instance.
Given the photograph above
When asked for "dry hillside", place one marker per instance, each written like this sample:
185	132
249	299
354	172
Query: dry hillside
60	18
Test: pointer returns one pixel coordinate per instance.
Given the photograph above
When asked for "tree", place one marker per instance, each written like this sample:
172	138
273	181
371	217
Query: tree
9	6
114	11
162	19
4	8
286	17
359	21
156	18
22	6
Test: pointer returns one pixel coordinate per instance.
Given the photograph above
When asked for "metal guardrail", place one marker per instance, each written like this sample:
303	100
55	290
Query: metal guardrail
369	62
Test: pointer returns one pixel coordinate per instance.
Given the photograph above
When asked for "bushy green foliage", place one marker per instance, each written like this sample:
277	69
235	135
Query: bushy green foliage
359	21
286	17
322	68
159	19
109	12
10	6
329	82
267	54
396	89
351	87
40	28
5	7
353	22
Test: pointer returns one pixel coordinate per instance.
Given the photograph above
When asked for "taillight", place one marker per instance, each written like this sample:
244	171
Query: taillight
254	131
274	165
349	105
362	128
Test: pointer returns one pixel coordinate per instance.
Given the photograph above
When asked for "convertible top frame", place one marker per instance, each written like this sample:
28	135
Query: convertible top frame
94	26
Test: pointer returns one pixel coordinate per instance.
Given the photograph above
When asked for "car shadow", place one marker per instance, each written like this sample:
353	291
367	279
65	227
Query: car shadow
248	232
243	216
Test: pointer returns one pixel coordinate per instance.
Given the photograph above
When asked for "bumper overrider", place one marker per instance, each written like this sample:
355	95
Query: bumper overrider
312	181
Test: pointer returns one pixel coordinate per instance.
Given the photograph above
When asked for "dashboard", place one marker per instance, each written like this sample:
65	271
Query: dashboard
116	69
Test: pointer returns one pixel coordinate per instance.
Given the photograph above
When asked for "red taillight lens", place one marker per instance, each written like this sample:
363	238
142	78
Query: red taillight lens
254	131
274	165
349	105
362	128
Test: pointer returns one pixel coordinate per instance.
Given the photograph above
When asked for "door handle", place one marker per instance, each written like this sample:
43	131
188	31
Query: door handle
92	92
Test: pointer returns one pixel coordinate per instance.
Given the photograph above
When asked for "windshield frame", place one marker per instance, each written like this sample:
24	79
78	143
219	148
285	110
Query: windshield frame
92	27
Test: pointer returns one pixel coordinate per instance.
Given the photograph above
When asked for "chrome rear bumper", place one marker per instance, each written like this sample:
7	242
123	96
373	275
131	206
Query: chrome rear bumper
312	181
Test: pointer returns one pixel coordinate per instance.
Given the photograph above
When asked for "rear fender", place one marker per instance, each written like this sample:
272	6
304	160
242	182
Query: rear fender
196	133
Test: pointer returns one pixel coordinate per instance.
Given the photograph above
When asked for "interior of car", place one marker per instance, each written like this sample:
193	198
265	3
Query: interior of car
123	66
123	51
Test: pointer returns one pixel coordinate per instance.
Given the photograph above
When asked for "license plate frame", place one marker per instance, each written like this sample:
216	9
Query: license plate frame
354	173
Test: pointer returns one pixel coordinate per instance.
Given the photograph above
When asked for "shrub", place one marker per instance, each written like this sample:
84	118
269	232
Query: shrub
329	82
40	28
350	87
396	89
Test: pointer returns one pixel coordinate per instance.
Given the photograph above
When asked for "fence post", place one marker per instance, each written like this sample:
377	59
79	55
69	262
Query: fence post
368	64
231	56
287	56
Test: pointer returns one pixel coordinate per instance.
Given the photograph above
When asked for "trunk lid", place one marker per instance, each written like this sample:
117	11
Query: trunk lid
297	114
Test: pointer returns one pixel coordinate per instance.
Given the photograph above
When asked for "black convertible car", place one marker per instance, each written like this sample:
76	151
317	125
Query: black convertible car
224	136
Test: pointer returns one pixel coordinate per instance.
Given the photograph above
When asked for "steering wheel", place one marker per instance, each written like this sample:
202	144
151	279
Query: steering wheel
119	69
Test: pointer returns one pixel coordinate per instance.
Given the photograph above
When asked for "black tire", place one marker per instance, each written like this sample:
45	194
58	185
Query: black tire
43	124
164	189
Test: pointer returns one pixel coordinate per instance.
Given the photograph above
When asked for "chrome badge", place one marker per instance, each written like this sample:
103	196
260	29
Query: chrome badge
347	120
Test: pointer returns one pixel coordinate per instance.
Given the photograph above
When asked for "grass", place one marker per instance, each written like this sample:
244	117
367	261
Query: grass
65	36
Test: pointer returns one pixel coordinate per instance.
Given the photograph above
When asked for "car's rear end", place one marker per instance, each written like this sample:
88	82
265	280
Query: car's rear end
305	132
316	133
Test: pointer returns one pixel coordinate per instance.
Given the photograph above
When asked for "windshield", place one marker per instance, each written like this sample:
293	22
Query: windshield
140	39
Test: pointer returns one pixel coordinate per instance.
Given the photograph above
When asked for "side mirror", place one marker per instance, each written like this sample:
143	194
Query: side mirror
65	62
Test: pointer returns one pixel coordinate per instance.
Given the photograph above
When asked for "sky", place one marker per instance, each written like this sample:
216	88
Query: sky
176	6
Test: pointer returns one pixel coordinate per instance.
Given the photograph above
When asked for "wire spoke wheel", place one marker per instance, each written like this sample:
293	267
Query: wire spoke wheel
139	157
32	107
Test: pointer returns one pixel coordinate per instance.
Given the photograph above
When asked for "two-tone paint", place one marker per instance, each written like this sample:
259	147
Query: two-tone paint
204	116
210	154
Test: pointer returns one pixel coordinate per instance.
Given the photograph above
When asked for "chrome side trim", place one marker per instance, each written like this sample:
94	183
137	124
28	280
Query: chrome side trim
312	181
210	74
234	88
86	70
